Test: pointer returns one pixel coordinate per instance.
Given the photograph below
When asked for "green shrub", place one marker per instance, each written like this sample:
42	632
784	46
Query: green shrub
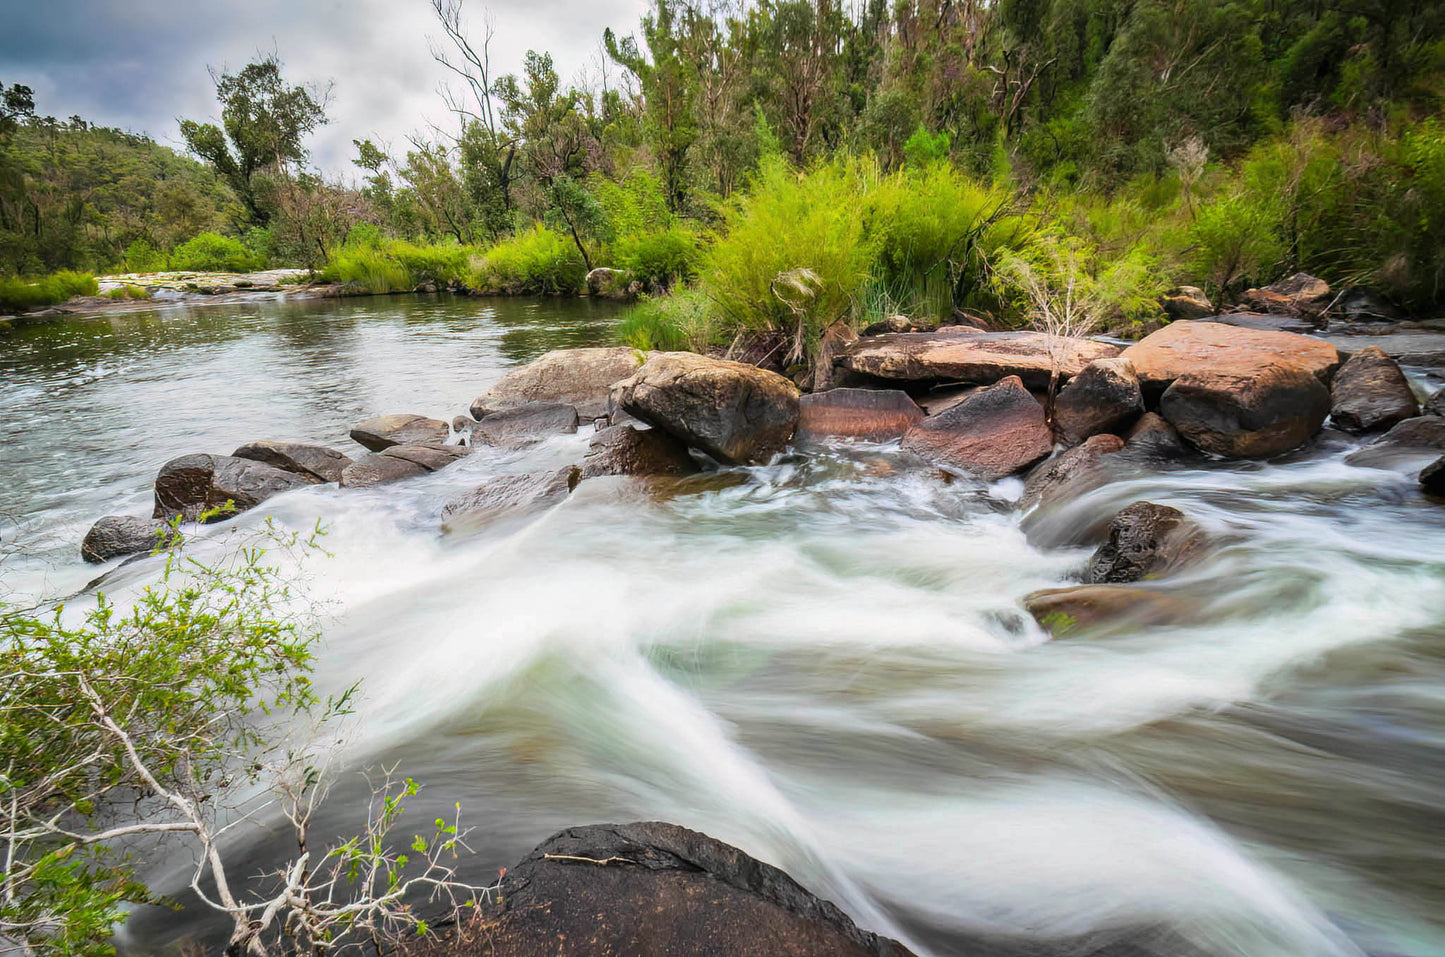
128	291
141	256
442	265
19	295
370	268
212	252
660	258
539	261
684	320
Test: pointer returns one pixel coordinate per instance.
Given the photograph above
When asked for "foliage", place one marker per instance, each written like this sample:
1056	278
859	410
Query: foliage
660	258
381	265
684	320
538	261
212	252
18	295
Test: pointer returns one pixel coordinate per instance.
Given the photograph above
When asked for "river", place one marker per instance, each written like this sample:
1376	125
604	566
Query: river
824	662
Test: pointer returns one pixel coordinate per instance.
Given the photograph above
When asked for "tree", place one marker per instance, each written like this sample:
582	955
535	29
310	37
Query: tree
263	123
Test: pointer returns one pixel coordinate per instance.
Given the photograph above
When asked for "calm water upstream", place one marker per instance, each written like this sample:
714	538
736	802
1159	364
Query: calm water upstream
825	664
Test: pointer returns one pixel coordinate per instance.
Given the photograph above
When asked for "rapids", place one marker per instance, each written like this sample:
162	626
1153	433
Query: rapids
823	661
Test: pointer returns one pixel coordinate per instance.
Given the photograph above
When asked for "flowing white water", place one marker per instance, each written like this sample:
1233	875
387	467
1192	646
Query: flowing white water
824	662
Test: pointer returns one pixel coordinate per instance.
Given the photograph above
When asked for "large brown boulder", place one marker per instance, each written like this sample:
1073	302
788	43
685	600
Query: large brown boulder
625	450
405	428
961	354
993	433
1409	445
315	462
735	412
1255	415
1145	541
1104	397
525	425
875	415
509	495
659	890
117	535
1371	394
193	485
580	378
1298	295
1182	348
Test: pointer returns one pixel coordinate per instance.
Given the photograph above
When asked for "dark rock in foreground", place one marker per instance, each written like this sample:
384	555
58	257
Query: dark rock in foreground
624	450
1071	474
509	494
1145	541
195	484
735	412
659	890
525	424
384	431
580	378
315	462
1432	478
1253	415
874	415
1104	398
1410	444
117	535
993	433
1370	393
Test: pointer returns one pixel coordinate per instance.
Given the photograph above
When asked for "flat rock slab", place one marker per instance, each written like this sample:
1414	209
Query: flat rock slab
581	378
960	354
1370	393
117	535
193	485
399	462
1409	445
384	431
315	462
874	415
659	890
1185	347
625	450
1071	474
993	433
509	495
1424	349
735	412
525	425
1265	322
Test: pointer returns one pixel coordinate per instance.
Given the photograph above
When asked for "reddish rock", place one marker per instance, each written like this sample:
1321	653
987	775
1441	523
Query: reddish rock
995	432
384	431
1371	394
1247	415
962	354
1104	398
1300	294
875	415
1182	348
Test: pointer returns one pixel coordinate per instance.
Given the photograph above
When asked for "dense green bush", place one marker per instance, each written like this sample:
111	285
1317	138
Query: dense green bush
19	295
660	258
539	261
684	320
212	252
141	256
369	267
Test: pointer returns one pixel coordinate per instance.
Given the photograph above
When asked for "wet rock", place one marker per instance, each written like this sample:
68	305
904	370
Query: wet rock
376	468
580	378
1432	478
1299	295
624	450
1370	393
195	484
941	400
1413	347
1181	348
525	424
735	412
659	890
509	495
1435	405
1409	445
875	415
1071	474
1145	541
993	433
117	535
894	324
1105	397
433	458
1265	322
1152	439
961	354
1187	302
1236	416
384	431
1068	612
314	462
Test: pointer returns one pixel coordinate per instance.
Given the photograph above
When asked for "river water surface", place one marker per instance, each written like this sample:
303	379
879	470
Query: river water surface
823	661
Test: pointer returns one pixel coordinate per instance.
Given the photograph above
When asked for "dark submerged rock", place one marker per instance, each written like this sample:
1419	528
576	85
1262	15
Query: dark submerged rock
117	535
735	412
1432	478
509	494
525	424
384	431
1104	397
1145	541
993	433
1410	444
625	450
1370	393
194	484
875	415
1071	474
659	890
315	462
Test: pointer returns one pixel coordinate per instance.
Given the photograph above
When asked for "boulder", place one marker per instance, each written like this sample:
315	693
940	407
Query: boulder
962	354
399	462
624	450
195	484
875	415
1435	405
1066	612
1370	393
1145	541
117	535
1299	295
659	890
993	433
1155	441
313	462
608	283
1238	415
1071	474
1187	302
1432	478
1104	397
384	431
1181	348
509	494
835	340
580	378
735	412
942	399
1409	445
433	458
894	324
525	425
1358	304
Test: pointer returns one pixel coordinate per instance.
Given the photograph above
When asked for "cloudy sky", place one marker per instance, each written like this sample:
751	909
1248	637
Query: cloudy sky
141	64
